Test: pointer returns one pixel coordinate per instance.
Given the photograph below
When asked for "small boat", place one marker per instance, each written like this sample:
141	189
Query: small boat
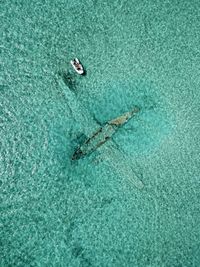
77	66
103	134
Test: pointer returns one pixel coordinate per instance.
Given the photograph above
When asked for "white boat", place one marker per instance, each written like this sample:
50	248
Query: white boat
77	66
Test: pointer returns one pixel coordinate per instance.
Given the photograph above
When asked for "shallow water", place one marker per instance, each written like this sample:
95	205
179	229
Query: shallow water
134	201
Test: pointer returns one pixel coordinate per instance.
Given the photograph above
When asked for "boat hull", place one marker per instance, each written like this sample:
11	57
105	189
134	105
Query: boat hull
77	66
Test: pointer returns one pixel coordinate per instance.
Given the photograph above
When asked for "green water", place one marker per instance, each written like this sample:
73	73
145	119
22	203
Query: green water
55	212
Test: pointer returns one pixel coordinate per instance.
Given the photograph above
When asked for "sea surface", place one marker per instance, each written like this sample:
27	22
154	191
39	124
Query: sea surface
135	201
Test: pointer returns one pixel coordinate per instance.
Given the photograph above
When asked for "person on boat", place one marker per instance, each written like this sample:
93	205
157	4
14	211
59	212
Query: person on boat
77	65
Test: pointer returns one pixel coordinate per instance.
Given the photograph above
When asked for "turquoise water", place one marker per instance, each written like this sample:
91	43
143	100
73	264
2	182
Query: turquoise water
55	212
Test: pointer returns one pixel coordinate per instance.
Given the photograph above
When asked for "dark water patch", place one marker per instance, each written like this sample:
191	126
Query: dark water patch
106	201
18	254
79	139
69	80
3	88
79	252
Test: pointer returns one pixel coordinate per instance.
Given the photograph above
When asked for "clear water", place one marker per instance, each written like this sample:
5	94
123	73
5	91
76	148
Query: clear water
94	212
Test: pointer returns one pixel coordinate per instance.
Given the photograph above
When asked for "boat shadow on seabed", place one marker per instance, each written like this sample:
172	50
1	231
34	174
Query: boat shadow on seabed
69	80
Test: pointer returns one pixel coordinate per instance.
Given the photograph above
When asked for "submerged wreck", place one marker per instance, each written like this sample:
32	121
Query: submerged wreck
103	134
